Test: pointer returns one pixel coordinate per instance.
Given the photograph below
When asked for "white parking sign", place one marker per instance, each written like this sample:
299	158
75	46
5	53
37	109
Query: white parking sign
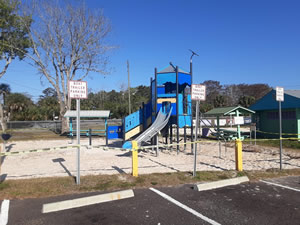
198	92
78	89
279	94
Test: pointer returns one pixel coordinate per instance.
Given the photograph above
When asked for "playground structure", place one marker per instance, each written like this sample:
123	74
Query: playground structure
170	106
160	122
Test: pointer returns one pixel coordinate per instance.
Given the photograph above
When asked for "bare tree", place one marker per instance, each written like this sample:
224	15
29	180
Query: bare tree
68	43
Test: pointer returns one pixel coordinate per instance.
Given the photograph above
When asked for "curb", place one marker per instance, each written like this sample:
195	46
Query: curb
220	183
85	201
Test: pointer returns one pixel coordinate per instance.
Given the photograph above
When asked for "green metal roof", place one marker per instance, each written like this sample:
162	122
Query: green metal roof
225	111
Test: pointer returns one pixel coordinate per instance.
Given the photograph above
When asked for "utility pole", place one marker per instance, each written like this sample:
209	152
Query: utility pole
191	73
129	103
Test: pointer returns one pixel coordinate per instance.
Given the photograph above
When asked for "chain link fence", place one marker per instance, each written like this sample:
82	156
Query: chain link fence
56	125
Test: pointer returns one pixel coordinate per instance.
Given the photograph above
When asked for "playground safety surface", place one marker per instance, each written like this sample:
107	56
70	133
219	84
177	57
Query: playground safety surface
98	160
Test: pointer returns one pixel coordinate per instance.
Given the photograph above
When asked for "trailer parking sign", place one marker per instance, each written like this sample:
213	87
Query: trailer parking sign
78	89
198	92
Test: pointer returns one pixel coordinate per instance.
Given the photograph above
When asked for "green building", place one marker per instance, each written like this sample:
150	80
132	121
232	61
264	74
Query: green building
267	114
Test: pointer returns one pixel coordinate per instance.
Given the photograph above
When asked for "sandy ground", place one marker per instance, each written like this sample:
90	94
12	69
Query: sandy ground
98	160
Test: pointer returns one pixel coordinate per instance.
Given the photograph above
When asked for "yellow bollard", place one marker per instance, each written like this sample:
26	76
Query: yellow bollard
0	161
238	155
134	158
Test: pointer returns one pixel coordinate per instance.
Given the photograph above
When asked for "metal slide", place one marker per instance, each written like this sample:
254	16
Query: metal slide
160	122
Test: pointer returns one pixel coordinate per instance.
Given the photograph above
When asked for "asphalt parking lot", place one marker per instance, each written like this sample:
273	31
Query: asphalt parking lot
275	202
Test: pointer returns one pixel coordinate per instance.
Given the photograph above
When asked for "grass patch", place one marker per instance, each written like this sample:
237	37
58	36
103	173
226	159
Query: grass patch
33	134
271	173
46	187
292	144
4	186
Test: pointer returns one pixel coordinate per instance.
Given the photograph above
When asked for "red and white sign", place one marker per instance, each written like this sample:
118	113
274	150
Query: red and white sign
198	92
78	89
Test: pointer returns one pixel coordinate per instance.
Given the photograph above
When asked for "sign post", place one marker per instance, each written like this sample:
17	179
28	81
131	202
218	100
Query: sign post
78	90
198	93
280	98
253	128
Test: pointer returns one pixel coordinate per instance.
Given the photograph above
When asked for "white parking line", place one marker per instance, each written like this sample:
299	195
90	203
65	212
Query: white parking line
279	185
4	212
184	207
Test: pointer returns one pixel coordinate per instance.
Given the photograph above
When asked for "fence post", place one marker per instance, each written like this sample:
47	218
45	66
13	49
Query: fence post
134	158
238	155
90	137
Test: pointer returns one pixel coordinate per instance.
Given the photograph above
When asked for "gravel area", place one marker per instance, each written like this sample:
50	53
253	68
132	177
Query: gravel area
99	160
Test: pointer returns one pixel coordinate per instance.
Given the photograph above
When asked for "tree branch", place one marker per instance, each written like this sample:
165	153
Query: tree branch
8	61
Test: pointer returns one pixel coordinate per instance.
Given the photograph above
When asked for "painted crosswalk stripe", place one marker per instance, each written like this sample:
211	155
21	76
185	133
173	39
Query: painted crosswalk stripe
4	212
167	197
279	185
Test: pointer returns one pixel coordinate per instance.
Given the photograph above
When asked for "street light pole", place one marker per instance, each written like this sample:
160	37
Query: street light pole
129	103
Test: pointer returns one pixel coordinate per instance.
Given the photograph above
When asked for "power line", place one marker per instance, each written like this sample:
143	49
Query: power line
21	85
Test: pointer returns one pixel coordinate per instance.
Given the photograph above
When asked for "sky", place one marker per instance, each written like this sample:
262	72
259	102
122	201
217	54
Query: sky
238	41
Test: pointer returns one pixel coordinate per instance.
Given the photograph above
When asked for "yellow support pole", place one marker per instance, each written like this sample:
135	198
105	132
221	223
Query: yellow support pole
134	158
238	155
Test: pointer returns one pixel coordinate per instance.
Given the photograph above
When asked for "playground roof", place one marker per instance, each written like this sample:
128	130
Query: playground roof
88	113
226	111
171	69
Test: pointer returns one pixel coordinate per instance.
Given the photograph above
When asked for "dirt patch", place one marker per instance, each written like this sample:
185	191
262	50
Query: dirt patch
98	160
